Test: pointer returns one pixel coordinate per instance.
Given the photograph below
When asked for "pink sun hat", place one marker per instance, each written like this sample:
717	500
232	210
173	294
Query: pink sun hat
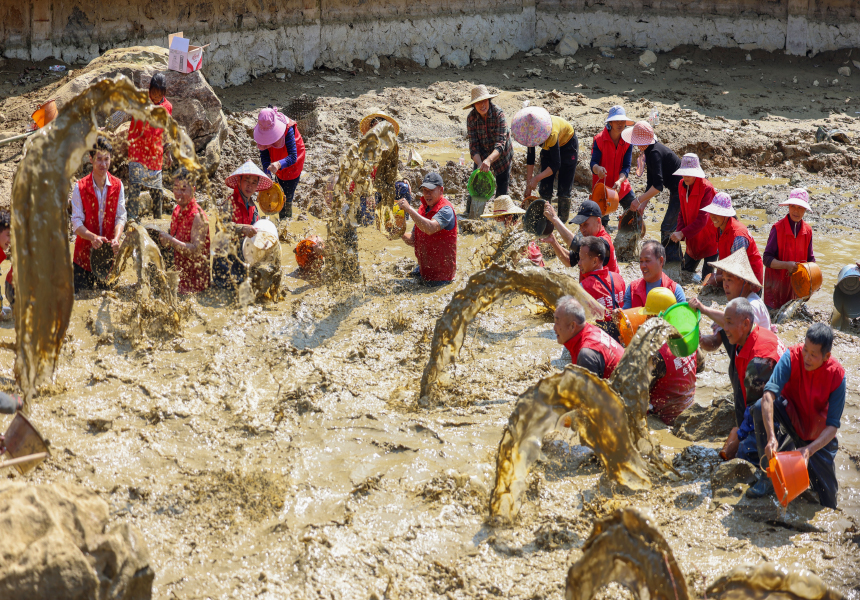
721	206
798	197
249	168
641	134
271	126
531	126
690	166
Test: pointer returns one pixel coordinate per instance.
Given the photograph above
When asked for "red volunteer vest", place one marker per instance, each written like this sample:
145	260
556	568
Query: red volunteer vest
612	265
243	215
673	393
735	229
611	159
437	253
591	284
596	339
145	143
295	169
777	283
761	343
808	393
193	270
90	203
704	243
3	257
638	295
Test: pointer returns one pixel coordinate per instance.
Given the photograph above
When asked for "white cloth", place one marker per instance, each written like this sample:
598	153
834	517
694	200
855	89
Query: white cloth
101	195
762	316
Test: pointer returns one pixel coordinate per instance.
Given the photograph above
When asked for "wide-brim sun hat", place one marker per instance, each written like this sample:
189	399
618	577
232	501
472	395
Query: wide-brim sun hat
271	126
479	93
617	113
375	113
721	206
641	134
690	167
531	126
798	197
248	168
502	206
738	264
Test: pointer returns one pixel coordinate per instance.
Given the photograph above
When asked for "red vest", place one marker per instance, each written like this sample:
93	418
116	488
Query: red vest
437	253
243	215
735	229
704	243
808	393
145	142
612	265
591	284
676	390
295	169
3	257
596	339
91	216
777	283
638	295
611	159
761	343
193	270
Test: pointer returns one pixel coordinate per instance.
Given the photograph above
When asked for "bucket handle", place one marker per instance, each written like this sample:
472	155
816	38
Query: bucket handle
781	480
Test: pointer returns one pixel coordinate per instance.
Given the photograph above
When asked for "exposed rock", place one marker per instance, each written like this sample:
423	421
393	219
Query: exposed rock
678	62
845	71
57	544
567	46
825	148
195	105
732	472
373	61
647	59
434	61
702	422
458	58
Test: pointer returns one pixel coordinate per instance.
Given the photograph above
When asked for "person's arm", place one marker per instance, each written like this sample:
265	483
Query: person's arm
501	135
120	220
9	405
701	219
628	299
771	249
290	160
78	217
565	233
591	360
627	162
596	157
265	160
836	404
810	257
409	238
738	243
428	226
680	296
562	253
714	314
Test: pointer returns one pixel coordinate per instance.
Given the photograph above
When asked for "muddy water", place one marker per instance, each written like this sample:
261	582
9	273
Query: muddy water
745	181
278	450
444	150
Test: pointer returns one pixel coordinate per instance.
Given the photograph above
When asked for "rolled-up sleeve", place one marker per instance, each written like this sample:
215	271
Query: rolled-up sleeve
77	208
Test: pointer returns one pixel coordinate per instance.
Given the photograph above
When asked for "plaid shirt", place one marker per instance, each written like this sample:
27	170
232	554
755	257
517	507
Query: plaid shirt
486	135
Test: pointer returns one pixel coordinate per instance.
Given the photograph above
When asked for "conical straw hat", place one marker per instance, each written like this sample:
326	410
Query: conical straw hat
248	168
738	264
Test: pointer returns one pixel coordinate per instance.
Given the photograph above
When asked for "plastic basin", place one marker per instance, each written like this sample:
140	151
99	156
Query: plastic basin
789	475
480	183
686	321
22	439
628	323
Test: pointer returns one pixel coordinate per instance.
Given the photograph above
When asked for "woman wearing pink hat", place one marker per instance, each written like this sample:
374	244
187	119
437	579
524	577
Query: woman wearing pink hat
789	243
282	152
533	126
732	235
611	157
694	225
660	163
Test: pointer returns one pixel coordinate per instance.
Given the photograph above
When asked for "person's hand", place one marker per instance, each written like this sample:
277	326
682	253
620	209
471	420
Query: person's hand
549	211
599	171
115	244
677	236
695	304
617	186
791	265
274	168
711	279
548	239
408	185
98	241
528	191
771	447
403	204
485	166
249	231
806	454
164	237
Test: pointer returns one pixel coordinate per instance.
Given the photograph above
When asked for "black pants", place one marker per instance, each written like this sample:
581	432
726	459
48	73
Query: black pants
289	187
691	264
821	466
132	204
503	179
569	157
668	226
86	280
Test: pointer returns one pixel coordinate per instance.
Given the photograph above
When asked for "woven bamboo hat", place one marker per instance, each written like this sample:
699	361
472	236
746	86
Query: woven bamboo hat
502	205
738	264
479	93
376	113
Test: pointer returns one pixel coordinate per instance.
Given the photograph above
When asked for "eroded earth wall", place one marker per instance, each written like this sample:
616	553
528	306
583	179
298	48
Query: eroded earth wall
248	36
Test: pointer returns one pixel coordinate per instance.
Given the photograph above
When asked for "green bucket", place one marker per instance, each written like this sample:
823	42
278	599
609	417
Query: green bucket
686	321
482	184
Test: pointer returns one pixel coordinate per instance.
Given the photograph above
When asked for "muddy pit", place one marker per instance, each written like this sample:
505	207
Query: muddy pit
279	449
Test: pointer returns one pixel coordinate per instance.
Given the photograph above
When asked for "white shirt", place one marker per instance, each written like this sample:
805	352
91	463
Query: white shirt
762	316
101	197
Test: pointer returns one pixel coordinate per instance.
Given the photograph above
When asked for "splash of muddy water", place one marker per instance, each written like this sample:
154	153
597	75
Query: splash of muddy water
42	262
627	240
501	247
600	419
767	580
484	288
625	548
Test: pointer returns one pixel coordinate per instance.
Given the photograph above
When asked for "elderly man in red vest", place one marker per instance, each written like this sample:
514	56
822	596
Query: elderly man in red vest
806	396
98	214
434	236
601	284
590	347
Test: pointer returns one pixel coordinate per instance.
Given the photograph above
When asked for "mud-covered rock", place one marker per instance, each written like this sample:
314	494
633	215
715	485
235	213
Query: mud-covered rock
57	543
731	479
696	461
699	423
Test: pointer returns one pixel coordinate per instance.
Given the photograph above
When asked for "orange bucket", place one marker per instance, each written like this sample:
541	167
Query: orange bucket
788	473
46	113
806	279
629	322
606	198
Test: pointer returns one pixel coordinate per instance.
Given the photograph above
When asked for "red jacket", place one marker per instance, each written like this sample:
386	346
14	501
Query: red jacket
145	142
697	227
598	340
90	203
638	295
276	154
735	229
193	270
808	393
676	390
591	283
611	159
777	282
761	343
437	253
243	215
612	265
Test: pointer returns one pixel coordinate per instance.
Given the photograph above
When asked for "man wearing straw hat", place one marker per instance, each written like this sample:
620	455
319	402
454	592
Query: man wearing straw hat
806	396
612	156
504	211
489	138
694	226
732	235
789	243
590	347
